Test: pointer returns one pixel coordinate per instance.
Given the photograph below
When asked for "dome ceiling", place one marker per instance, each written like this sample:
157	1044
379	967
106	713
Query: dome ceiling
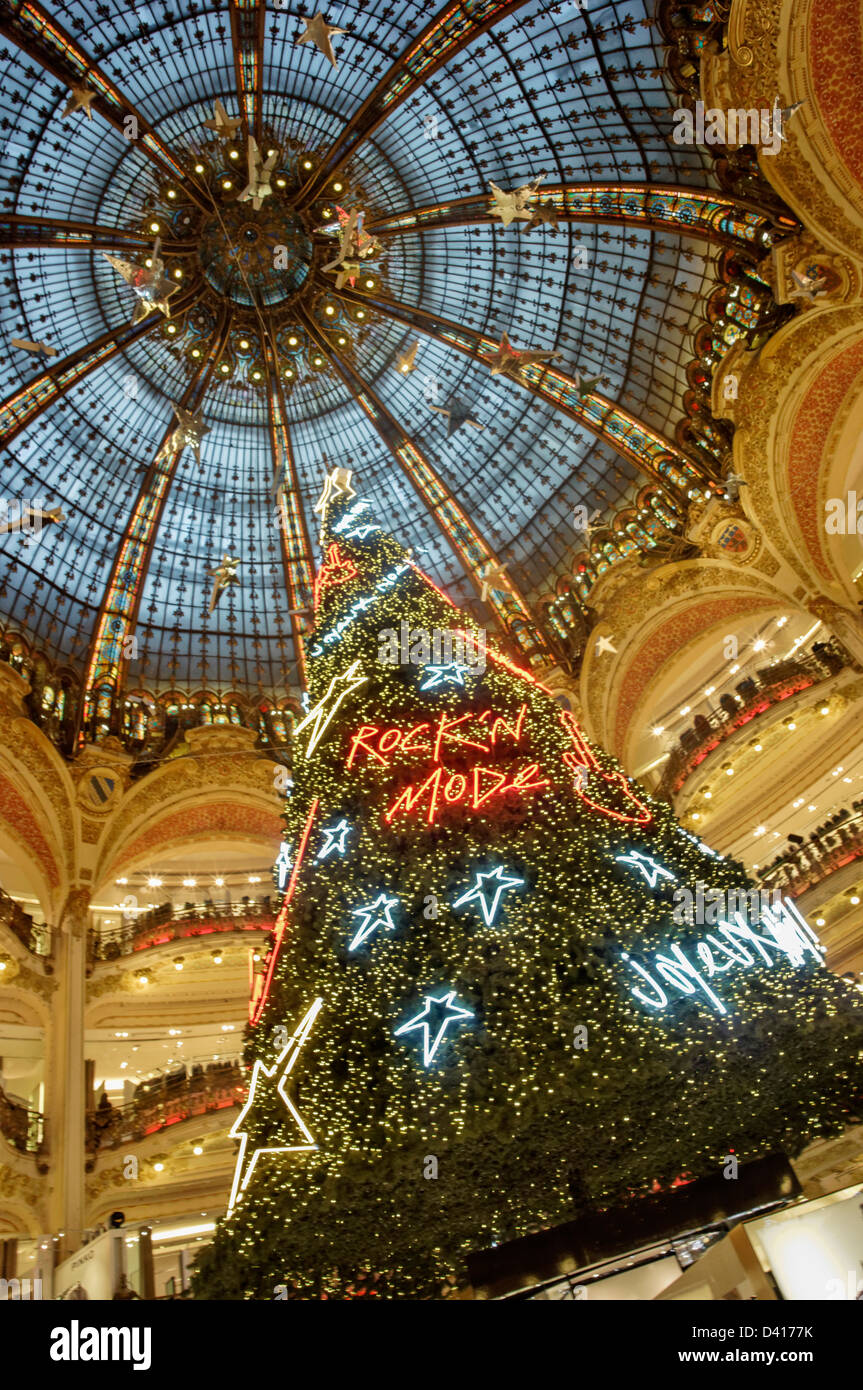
575	96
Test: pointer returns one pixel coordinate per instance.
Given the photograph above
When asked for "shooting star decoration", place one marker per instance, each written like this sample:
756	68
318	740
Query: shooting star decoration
148	281
457	413
510	204
733	484
28	518
223	125
318	32
223	575
190	430
80	99
42	349
270	1083
406	361
508	361
259	186
492	576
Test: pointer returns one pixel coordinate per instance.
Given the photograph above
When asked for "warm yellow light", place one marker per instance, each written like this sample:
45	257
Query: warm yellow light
154	226
244	342
199	168
233	154
178	274
361	313
171	328
338	187
196	352
280	183
256	376
171	193
330	309
370	284
226	183
307	164
224	368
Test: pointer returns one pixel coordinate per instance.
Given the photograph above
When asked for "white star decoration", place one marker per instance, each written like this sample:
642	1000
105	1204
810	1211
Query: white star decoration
262	1077
378	915
422	1022
453	671
478	892
651	869
336	839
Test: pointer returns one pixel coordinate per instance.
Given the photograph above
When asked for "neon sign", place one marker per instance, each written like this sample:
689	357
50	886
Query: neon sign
650	868
384	584
379	914
434	1020
337	836
787	934
584	757
261	987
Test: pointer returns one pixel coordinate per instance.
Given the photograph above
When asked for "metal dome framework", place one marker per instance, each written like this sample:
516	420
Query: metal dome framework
417	118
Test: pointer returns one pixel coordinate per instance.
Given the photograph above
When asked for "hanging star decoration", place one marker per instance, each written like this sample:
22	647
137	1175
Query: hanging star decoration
41	349
190	430
437	1015
153	290
585	385
587	526
266	1084
406	361
543	214
509	360
378	915
337	838
320	716
320	33
336	484
603	644
279	473
457	413
650	868
223	576
511	204
781	114
260	173
807	286
492	576
488	904
223	125
733	484
80	99
452	671
355	246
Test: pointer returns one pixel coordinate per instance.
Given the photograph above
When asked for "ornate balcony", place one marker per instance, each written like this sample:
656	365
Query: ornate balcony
755	696
36	936
167	1101
168	923
21	1126
831	848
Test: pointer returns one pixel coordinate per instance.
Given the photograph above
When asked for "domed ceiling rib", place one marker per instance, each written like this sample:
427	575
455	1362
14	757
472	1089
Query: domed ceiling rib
296	547
248	31
451	30
22	232
653	455
473	552
24	405
713	216
118	613
40	35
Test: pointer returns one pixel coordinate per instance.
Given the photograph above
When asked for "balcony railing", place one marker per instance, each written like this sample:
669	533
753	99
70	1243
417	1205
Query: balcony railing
170	923
168	1101
23	1127
830	849
36	936
754	697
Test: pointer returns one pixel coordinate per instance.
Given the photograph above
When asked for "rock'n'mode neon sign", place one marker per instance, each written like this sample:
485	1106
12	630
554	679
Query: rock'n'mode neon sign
734	944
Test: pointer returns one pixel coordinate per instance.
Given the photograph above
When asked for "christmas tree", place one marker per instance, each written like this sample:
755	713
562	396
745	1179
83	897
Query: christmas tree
484	1009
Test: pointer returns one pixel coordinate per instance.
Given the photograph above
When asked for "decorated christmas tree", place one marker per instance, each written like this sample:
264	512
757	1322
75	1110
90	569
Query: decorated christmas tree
484	1009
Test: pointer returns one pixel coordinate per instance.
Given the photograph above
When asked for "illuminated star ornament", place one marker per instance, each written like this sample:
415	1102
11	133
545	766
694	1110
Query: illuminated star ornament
223	576
511	204
153	290
336	484
319	33
190	430
489	902
268	1083
80	99
438	1014
806	286
437	675
508	361
585	385
650	868
337	839
320	716
457	413
603	644
223	125
337	569
378	915
733	484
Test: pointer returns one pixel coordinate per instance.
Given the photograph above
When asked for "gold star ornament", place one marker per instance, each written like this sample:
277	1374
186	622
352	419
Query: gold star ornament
508	361
320	33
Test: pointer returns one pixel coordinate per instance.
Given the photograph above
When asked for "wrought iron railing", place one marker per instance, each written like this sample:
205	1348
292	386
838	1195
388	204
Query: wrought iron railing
36	936
170	923
825	853
166	1102
21	1125
773	685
